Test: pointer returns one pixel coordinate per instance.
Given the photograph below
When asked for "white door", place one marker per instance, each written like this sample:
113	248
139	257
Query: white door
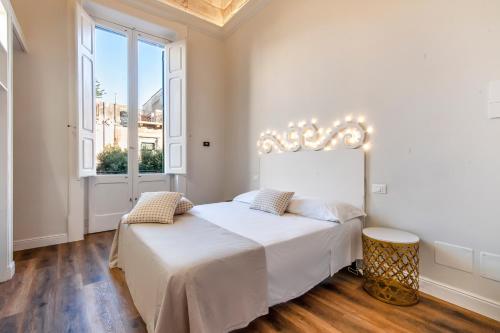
110	191
130	121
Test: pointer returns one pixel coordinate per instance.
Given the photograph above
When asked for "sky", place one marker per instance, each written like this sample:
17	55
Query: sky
111	67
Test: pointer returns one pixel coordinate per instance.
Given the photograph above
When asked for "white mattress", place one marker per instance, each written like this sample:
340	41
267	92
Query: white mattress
300	252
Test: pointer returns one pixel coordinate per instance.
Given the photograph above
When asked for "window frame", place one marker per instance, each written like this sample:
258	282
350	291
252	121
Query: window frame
133	38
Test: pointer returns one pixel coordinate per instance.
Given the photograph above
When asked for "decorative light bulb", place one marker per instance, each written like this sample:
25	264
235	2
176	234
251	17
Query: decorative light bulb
336	123
291	124
348	118
261	134
302	123
314	121
367	146
328	130
268	131
361	119
334	142
369	130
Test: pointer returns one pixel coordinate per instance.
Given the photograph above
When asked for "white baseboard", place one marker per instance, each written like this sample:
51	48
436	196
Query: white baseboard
8	273
31	243
465	299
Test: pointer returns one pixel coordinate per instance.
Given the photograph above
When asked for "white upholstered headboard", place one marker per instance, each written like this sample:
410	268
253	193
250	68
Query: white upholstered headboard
336	174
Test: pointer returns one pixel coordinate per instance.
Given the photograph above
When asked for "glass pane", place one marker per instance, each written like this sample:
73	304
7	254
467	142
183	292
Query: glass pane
150	115
111	71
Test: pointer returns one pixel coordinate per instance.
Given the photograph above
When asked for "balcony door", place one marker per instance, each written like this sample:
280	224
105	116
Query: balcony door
130	122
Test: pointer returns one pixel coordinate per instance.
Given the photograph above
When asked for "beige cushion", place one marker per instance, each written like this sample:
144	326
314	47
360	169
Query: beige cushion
272	201
155	207
183	206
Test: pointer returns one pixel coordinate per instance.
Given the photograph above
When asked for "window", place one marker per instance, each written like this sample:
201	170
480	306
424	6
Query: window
150	109
111	92
131	90
148	146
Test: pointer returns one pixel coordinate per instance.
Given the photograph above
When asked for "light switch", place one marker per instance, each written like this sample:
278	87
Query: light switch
379	188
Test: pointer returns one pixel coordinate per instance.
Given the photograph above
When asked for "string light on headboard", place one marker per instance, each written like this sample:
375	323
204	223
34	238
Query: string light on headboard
304	135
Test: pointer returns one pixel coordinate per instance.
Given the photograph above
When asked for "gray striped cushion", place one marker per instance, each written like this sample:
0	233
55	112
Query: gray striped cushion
272	201
183	206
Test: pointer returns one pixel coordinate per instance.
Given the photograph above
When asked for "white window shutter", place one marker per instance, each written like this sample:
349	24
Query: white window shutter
175	108
85	124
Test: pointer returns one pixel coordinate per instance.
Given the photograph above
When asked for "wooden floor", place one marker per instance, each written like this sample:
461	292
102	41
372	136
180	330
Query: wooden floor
68	288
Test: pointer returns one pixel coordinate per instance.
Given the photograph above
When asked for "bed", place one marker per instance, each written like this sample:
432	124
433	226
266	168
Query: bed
278	258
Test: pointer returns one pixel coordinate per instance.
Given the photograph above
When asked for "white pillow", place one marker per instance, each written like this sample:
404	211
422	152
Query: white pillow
323	210
247	197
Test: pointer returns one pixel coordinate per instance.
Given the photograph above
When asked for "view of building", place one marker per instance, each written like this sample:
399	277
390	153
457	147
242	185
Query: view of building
112	126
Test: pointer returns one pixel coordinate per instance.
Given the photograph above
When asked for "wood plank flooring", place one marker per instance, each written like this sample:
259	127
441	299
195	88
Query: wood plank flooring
69	288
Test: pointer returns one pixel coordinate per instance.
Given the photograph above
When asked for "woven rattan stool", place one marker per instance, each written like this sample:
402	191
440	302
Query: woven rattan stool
391	265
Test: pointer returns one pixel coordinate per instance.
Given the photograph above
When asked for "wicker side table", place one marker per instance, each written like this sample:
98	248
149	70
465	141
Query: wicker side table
390	269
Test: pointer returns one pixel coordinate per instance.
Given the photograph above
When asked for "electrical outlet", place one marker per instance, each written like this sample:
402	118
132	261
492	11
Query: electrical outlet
379	188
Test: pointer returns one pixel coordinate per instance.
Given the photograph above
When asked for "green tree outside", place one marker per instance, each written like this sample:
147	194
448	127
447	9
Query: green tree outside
114	160
151	161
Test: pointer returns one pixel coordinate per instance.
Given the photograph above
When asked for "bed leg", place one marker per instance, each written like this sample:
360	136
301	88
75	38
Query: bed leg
356	267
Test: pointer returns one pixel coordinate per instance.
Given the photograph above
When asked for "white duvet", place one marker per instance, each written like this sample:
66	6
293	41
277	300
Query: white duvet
300	252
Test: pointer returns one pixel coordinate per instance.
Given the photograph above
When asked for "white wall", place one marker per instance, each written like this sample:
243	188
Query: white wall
40	119
42	95
206	118
418	71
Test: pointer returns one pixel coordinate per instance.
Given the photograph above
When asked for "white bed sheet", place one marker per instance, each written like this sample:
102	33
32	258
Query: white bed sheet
300	252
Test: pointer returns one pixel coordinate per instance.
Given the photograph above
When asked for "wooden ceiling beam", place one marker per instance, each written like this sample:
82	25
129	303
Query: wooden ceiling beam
215	11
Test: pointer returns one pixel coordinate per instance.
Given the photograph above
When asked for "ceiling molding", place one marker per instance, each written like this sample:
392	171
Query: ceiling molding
218	12
250	9
174	14
203	9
